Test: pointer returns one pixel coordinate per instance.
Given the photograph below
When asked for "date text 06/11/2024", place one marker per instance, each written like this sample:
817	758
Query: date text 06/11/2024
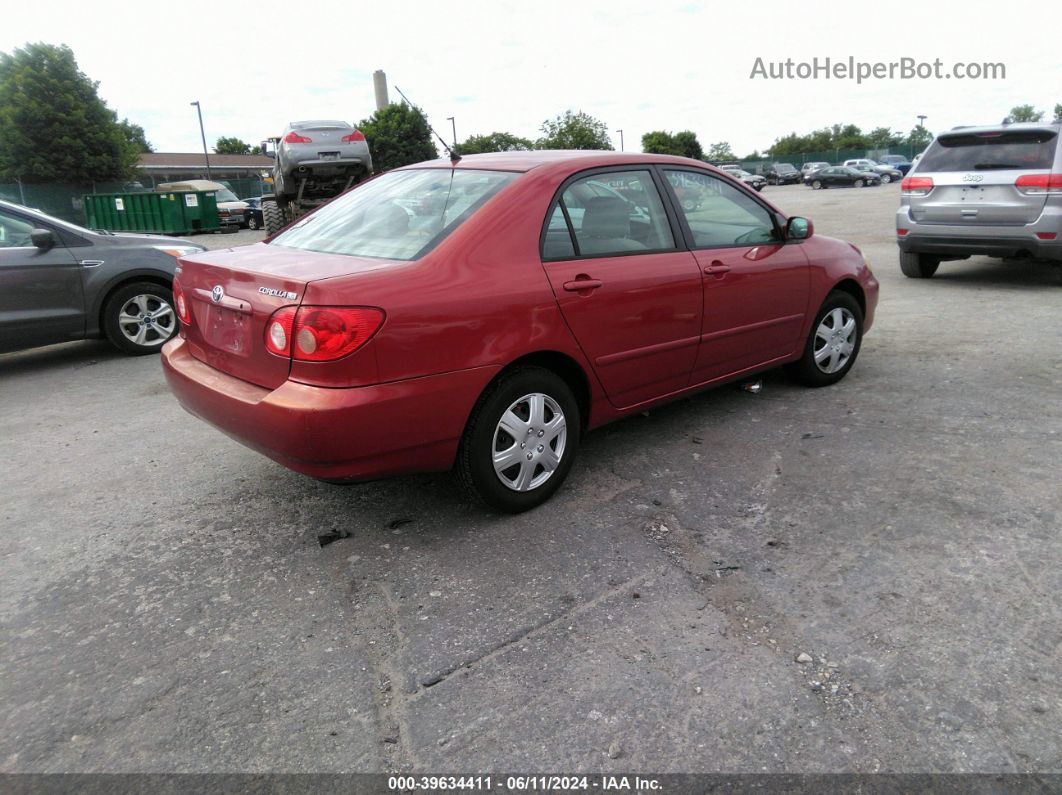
537	783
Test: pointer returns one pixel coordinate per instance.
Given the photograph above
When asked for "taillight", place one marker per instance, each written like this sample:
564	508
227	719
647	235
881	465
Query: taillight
917	186
354	136
278	331
295	138
902	232
1039	183
184	312
321	333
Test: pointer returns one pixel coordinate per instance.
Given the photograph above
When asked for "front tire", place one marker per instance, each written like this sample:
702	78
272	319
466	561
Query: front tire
918	266
834	342
272	217
858	183
816	184
886	178
520	441
139	318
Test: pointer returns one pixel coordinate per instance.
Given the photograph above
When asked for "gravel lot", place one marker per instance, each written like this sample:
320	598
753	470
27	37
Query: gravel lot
166	605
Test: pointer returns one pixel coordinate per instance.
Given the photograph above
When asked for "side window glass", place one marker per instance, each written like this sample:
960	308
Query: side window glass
720	214
617	213
14	232
558	242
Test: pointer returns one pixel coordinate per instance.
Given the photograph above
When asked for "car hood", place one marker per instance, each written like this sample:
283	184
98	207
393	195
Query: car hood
241	205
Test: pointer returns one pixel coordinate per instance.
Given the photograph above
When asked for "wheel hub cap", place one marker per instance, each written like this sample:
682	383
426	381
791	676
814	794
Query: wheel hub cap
529	442
835	340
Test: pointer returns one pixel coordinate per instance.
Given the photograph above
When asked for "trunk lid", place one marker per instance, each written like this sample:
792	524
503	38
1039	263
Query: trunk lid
978	198
233	293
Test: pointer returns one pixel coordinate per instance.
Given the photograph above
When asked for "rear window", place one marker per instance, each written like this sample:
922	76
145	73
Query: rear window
983	152
400	215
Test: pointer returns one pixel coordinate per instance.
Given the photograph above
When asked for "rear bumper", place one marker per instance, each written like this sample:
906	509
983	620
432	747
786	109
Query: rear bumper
957	245
356	433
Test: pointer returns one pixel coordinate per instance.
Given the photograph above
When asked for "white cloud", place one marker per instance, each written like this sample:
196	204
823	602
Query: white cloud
508	65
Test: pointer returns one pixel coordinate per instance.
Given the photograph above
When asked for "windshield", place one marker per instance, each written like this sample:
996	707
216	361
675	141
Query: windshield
786	167
986	151
400	215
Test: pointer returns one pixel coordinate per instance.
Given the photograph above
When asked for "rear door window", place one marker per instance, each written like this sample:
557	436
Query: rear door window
987	151
610	213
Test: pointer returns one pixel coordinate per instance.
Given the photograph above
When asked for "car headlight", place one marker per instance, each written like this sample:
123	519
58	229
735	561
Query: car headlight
179	251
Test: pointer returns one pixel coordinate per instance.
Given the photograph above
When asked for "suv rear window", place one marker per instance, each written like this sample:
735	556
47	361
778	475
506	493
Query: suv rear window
986	151
399	215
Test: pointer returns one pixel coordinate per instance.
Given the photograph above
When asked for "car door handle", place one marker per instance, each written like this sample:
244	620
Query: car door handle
717	268
581	283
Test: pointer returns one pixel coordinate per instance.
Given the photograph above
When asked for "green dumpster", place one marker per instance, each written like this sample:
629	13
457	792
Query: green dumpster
172	213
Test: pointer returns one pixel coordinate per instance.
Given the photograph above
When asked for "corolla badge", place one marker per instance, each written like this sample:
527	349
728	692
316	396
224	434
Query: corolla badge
278	293
217	293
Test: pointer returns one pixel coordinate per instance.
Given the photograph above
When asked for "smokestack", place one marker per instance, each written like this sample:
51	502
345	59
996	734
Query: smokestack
379	84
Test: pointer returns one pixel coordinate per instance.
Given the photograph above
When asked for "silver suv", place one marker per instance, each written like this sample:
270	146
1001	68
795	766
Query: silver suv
991	191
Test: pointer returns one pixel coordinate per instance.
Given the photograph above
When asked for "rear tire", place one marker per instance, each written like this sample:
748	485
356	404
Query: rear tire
272	217
816	184
918	266
858	183
833	344
252	223
886	178
541	412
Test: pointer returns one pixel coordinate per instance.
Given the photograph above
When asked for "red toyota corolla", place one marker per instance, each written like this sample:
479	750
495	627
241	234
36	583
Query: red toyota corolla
482	315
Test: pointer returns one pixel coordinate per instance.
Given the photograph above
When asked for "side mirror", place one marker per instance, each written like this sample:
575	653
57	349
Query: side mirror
43	239
798	228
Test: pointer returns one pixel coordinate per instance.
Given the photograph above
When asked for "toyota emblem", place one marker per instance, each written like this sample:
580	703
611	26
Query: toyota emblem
217	293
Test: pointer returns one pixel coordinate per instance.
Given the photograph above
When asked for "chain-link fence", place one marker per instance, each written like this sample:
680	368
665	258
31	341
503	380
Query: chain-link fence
834	157
64	200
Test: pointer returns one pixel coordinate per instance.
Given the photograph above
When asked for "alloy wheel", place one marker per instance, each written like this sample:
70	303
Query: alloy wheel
147	320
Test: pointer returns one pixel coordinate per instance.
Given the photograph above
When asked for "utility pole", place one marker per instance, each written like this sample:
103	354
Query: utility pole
453	126
202	134
922	119
621	139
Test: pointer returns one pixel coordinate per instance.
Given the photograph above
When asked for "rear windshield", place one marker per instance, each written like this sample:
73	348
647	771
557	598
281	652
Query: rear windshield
983	152
785	167
399	215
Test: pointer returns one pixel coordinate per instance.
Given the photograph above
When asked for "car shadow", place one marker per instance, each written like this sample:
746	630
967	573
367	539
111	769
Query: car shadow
1028	274
80	354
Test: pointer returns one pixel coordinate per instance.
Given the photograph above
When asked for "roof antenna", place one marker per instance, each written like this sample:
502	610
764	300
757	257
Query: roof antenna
450	150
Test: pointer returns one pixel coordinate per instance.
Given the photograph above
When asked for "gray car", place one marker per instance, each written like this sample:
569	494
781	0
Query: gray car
61	282
994	191
319	159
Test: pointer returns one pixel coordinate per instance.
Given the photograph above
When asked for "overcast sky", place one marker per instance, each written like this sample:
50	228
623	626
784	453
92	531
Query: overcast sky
506	66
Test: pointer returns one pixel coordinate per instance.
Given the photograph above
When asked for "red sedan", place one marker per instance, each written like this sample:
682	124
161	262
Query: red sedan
482	315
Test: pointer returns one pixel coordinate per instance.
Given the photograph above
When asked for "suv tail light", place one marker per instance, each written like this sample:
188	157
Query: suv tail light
1039	184
295	138
184	312
321	333
354	136
917	186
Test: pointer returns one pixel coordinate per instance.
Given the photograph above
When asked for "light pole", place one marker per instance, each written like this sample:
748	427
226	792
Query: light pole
453	126
922	119
621	139
202	134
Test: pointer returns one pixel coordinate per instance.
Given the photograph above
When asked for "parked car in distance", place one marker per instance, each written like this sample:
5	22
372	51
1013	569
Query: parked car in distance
815	165
60	282
755	181
994	191
841	177
899	162
231	209
253	216
485	328
886	173
781	174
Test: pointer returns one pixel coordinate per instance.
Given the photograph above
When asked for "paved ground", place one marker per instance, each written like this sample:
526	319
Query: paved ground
166	605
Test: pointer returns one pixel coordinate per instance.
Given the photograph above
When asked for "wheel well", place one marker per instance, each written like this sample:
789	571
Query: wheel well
125	282
852	287
568	369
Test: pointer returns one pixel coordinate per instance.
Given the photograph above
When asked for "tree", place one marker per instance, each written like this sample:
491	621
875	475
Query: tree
1025	113
574	131
232	146
1058	112
883	138
683	144
919	137
494	142
720	151
398	135
135	137
53	125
